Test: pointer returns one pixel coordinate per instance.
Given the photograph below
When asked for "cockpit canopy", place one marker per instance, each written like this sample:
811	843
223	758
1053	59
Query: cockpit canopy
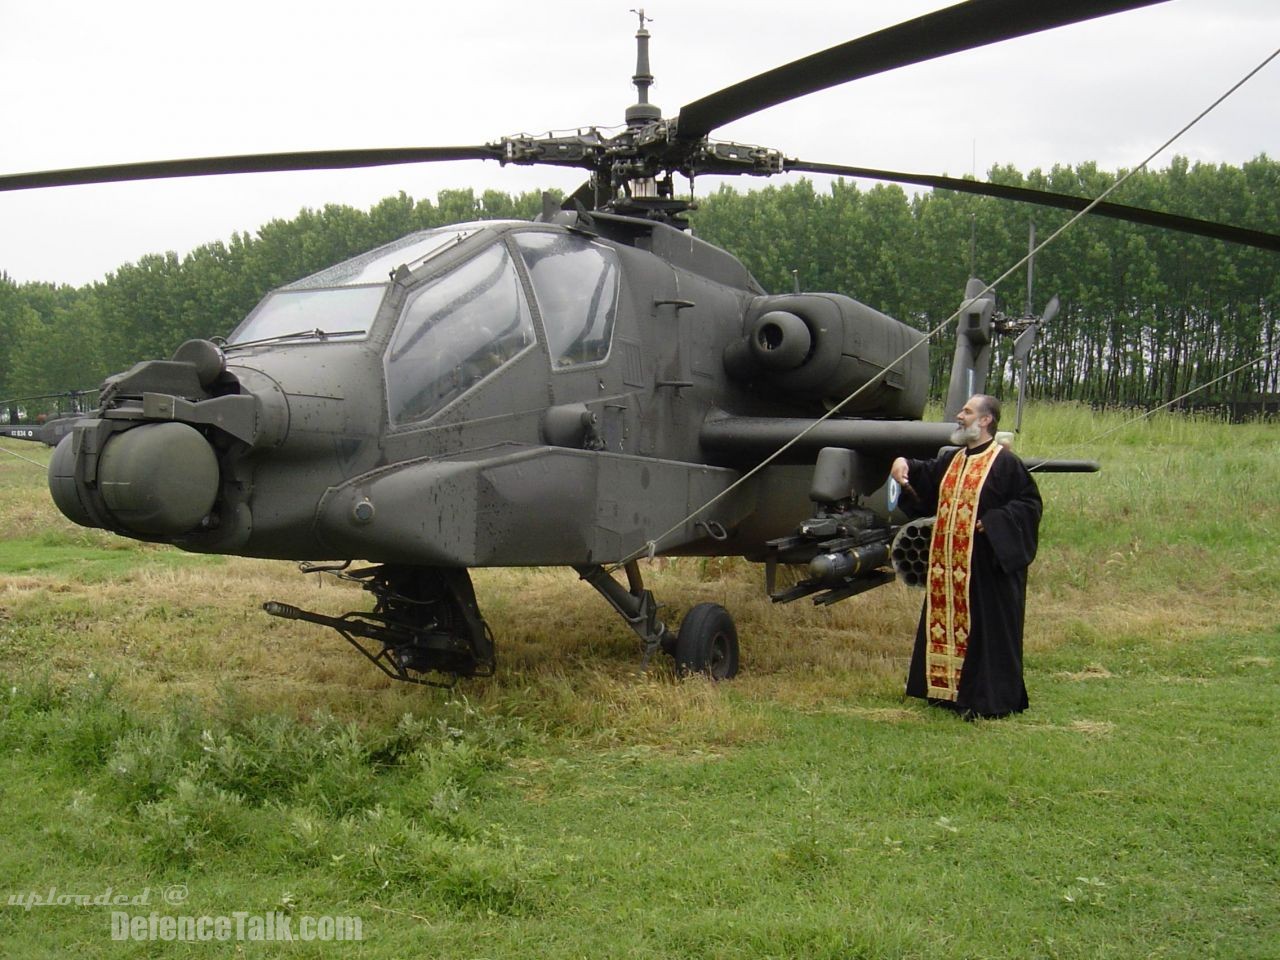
462	326
455	327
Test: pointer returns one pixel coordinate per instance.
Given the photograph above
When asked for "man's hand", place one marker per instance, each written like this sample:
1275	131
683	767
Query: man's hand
899	471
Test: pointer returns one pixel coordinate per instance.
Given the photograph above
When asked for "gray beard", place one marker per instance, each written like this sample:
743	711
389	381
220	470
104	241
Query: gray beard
963	436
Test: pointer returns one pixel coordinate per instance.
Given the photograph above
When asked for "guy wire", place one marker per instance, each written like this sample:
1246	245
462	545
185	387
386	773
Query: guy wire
37	463
650	547
1154	410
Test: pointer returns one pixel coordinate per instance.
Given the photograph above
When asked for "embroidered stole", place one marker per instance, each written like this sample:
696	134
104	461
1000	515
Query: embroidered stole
950	557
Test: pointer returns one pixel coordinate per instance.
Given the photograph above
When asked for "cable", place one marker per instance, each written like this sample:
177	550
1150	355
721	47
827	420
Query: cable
650	547
42	466
1155	410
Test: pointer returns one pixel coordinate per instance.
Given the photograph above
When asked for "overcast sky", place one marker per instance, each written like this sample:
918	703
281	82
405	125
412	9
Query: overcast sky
92	83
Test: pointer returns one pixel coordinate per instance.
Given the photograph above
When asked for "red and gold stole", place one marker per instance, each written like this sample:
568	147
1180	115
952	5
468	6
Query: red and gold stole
950	556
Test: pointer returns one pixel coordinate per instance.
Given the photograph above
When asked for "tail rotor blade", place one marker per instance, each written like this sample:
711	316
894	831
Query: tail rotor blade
1022	346
1022	391
1024	342
1050	310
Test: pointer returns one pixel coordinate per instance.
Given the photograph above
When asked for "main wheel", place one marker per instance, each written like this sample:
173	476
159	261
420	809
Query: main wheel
707	643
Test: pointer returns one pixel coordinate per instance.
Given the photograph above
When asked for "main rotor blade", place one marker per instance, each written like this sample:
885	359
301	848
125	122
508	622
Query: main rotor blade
961	27
1064	201
246	163
64	395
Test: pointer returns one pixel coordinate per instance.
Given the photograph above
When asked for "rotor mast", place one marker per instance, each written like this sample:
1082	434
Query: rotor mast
642	113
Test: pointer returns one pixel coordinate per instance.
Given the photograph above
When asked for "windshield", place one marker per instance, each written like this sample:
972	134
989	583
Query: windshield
341	302
344	313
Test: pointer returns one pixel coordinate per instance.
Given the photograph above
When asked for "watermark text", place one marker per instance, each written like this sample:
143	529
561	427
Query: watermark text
240	926
105	898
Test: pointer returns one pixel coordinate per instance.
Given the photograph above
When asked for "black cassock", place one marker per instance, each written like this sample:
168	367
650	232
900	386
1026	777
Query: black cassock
1009	507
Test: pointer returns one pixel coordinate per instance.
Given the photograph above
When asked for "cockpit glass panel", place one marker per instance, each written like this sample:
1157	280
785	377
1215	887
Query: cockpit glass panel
575	282
454	332
344	313
376	266
340	302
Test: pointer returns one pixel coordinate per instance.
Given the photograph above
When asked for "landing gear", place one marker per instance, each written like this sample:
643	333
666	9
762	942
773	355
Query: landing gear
706	644
425	626
425	620
634	604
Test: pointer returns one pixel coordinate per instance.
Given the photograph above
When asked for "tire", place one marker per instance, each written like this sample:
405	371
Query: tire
707	643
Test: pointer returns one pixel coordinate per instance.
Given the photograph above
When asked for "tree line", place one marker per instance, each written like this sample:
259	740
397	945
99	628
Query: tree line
1146	314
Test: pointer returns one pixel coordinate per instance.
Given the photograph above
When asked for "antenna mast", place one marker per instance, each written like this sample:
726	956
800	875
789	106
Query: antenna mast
642	111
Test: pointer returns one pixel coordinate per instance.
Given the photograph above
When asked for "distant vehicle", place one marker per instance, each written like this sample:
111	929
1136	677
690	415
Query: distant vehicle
47	428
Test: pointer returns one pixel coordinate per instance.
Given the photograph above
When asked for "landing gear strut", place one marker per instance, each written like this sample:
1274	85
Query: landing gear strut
707	642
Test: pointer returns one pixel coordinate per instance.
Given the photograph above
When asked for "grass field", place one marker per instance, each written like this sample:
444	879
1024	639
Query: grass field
165	741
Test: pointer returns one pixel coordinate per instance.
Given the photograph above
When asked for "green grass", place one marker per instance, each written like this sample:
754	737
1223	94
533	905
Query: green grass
156	730
87	558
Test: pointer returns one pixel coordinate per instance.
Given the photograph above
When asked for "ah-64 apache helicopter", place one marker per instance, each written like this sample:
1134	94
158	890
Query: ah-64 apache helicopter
47	427
555	392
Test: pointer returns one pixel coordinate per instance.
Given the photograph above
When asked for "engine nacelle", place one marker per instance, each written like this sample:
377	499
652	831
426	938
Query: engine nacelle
824	346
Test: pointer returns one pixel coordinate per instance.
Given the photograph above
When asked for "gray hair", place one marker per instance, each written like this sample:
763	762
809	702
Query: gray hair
990	407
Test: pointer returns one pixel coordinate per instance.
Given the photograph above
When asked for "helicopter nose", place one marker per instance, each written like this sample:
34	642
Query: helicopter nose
157	479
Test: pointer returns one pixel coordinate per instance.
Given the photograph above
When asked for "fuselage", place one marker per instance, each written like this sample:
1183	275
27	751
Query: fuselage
502	393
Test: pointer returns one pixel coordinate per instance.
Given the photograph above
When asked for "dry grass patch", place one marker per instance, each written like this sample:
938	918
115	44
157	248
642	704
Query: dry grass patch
603	708
1093	728
878	714
1094	671
547	623
1264	662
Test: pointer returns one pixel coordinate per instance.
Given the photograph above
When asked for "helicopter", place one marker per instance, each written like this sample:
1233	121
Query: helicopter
582	390
46	427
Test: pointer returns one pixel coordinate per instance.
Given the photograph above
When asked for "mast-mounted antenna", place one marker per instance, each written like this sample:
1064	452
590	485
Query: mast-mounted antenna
642	111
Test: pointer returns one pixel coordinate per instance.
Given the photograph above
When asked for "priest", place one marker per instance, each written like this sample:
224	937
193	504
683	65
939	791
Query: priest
968	649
